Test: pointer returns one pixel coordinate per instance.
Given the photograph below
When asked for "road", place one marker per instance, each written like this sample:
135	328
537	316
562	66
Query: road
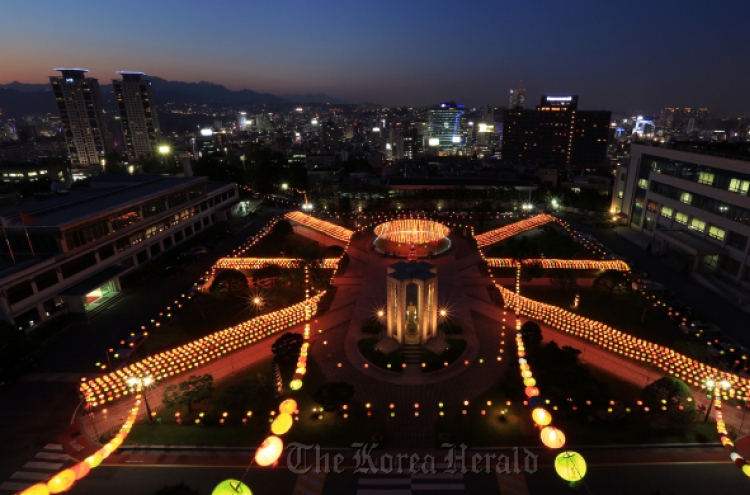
704	301
39	407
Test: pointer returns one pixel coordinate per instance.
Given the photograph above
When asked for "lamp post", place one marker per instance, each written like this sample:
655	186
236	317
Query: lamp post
710	386
164	151
142	382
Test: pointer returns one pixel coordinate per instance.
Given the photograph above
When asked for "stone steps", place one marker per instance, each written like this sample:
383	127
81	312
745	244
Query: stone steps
412	353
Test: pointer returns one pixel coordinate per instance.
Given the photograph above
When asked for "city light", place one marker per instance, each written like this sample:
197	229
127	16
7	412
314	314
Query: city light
163	149
333	230
412	231
207	132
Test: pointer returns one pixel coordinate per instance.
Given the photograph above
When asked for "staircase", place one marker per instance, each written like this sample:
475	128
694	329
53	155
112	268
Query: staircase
412	354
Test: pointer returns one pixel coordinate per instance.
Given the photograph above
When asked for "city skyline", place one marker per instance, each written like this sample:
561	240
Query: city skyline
641	58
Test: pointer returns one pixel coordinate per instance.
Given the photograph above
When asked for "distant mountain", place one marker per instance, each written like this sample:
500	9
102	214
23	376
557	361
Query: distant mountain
313	98
19	99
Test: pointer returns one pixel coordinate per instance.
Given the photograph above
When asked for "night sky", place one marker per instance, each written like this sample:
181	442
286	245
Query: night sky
632	56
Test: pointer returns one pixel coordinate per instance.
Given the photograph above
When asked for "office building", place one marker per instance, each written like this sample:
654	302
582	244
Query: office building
556	134
517	98
447	125
242	121
67	252
690	200
330	136
79	101
140	123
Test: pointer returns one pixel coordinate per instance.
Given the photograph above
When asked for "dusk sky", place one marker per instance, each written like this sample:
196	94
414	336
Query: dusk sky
623	56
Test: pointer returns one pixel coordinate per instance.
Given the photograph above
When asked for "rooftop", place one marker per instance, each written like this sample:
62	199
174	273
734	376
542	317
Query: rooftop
108	192
735	151
457	182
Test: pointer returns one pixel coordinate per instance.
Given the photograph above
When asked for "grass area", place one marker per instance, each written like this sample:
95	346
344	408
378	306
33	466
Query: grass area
623	312
272	246
392	361
548	241
333	430
208	313
498	417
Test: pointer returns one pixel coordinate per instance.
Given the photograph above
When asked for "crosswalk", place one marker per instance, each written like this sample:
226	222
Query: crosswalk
411	484
47	462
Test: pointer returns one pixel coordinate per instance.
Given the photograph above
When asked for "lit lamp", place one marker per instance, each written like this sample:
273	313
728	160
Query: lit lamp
231	487
570	466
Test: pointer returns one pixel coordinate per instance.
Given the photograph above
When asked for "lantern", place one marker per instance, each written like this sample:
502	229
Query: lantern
529	382
62	481
281	424
296	384
81	469
288	406
531	391
231	487
38	489
553	437
94	460
570	466
541	416
269	451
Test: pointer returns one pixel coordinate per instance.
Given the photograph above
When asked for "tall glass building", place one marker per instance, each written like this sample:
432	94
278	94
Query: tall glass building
447	125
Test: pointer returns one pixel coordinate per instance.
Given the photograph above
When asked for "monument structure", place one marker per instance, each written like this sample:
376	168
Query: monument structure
412	302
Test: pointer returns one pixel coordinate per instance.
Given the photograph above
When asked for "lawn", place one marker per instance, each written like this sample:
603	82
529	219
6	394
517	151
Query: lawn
333	430
289	246
208	313
549	241
623	312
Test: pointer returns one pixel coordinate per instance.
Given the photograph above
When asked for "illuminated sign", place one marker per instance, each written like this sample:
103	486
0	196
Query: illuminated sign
376	129
434	141
559	98
482	127
456	139
206	132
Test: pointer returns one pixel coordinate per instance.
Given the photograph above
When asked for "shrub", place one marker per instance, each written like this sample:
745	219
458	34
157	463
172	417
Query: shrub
672	404
229	281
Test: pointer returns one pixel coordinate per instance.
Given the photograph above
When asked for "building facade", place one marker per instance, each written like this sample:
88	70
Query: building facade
693	203
140	123
447	124
67	252
556	134
79	101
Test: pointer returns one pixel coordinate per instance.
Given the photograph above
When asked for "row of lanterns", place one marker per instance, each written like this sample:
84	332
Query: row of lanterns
497	235
191	356
257	263
65	479
336	231
569	465
721	427
689	370
412	231
556	263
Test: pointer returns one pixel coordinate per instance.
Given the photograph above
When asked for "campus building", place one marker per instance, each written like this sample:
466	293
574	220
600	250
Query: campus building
66	252
692	202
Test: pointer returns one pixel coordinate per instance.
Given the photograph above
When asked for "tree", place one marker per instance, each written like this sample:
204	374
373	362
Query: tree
564	279
531	333
229	281
194	390
282	229
674	395
331	396
287	347
178	489
611	281
482	212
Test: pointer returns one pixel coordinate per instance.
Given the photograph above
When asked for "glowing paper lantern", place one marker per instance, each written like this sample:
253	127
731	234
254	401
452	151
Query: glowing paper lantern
531	391
570	466
288	406
81	469
231	487
553	437
281	424
38	489
62	481
94	460
529	382
541	416
296	384
269	451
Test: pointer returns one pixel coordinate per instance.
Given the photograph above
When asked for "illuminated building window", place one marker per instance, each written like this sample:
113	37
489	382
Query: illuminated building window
681	218
697	224
686	197
716	232
705	178
666	211
643	183
739	186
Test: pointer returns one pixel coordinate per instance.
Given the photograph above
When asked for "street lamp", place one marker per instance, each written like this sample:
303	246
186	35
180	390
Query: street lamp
163	149
284	186
140	383
710	386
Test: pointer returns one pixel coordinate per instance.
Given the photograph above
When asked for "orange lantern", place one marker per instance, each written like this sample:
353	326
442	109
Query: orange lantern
541	416
289	406
531	391
281	424
62	481
269	451
81	469
552	437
